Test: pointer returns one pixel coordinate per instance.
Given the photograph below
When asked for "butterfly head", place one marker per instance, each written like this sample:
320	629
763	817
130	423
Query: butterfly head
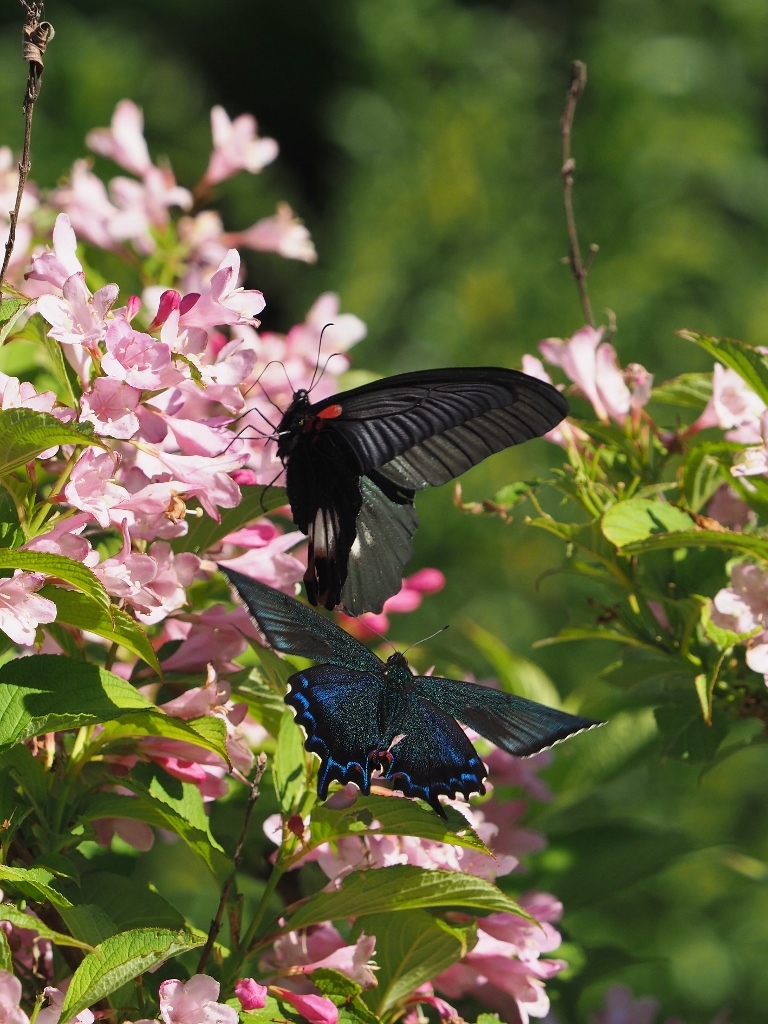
397	671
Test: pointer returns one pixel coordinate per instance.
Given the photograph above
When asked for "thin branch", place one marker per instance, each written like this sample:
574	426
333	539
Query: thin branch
567	173
36	34
213	931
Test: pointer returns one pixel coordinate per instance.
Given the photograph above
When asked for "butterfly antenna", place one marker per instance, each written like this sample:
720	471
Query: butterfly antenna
264	490
239	434
436	633
369	627
317	360
325	365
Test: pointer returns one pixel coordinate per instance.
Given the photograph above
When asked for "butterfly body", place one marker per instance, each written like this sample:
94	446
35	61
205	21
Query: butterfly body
361	715
355	460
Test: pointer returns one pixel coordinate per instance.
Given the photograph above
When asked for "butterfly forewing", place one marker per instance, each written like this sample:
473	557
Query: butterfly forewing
519	726
292	628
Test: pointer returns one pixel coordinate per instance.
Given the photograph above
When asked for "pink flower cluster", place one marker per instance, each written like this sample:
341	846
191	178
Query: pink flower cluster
592	365
506	964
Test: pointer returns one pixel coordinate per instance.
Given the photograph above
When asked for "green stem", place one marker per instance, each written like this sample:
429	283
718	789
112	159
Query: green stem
37	521
238	958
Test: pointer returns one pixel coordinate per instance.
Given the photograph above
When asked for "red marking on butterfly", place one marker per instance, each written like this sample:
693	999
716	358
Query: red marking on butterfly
331	412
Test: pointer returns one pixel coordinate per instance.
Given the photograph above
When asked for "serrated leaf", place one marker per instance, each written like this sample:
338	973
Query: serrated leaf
25	433
209	732
397	888
48	692
395	817
728	539
289	768
34	883
61	567
10	311
6	957
121	958
639	518
81	611
689	390
24	921
205	532
409	952
335	985
750	364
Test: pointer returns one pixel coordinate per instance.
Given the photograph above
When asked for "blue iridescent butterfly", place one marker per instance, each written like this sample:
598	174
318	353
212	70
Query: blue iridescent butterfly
361	714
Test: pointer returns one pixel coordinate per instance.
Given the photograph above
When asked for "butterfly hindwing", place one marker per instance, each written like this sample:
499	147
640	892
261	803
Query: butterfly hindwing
434	758
289	626
519	726
340	711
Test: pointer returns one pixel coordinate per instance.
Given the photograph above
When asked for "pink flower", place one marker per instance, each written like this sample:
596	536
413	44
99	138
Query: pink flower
88	206
236	147
252	996
507	770
21	609
734	407
137	358
54	268
63	538
594	369
211	636
727	508
28	949
206	479
753	461
266	557
743	608
425	994
135	833
322	946
124	141
111	406
10	998
621	1007
51	1013
283	233
194	1002
316	1009
143	205
91	486
77	317
223	302
166	592
407	599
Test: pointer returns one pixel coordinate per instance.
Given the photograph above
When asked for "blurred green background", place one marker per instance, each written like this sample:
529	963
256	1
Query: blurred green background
419	141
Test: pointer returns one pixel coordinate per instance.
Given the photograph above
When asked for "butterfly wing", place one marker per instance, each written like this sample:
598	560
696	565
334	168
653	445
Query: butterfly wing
434	757
382	546
446	420
292	628
340	711
519	726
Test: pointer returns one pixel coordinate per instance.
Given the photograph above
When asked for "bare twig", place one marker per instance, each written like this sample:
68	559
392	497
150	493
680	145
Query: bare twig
213	931
37	34
567	173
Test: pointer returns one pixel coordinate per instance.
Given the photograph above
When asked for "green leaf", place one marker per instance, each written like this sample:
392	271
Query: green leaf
34	884
6	957
401	887
516	674
121	958
704	472
25	433
209	732
635	520
289	768
33	924
684	733
48	692
128	902
80	611
690	390
89	923
265	703
750	364
756	546
169	804
59	566
274	1012
10	311
335	985
395	818
205	532
409	951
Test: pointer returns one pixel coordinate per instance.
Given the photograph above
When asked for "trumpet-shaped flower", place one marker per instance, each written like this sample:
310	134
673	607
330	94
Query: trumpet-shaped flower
124	140
236	147
22	610
194	1002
